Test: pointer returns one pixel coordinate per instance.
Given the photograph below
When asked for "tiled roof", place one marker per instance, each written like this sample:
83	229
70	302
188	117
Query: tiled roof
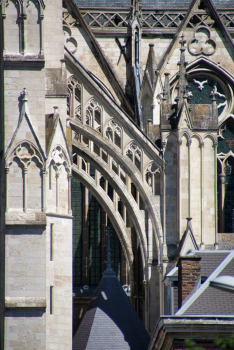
213	301
111	321
210	300
103	3
210	261
147	4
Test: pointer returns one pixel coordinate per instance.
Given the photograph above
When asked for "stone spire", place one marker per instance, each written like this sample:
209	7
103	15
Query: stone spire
151	65
166	89
109	270
182	84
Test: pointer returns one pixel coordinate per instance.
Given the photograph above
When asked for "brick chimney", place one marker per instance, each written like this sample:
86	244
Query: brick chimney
189	268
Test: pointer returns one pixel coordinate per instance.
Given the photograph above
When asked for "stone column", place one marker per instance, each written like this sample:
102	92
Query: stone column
145	283
44	188
222	197
189	178
69	193
202	186
22	18
57	191
179	187
215	193
25	170
41	35
7	172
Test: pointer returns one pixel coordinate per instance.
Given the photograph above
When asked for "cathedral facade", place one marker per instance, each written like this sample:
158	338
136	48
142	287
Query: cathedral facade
114	114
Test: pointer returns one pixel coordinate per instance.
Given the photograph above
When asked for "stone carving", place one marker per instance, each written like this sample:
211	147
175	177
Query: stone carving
25	152
59	159
202	42
70	41
200	84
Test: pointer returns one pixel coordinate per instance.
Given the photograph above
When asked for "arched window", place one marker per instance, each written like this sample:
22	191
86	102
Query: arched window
134	154
113	133
93	115
152	177
74	98
225	185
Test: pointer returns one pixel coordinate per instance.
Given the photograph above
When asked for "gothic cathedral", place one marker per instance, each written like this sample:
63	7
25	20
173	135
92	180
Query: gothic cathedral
115	115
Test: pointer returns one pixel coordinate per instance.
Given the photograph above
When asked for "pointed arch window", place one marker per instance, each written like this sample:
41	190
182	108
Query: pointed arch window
93	115
152	177
74	98
114	132
225	185
134	154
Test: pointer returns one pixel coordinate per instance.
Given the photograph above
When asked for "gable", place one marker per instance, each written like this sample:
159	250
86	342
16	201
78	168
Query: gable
205	35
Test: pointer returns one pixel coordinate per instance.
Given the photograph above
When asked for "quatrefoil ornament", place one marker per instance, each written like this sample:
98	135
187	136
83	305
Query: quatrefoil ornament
201	43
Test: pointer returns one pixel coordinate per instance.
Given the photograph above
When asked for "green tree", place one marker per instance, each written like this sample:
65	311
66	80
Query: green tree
224	344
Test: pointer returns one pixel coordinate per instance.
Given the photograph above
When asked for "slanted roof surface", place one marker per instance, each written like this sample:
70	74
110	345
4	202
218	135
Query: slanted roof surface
147	4
111	321
213	301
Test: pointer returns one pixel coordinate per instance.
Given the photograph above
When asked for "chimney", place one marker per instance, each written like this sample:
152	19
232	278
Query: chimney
189	268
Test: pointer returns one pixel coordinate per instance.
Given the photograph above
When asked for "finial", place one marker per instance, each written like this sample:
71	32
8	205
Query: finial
189	223
109	269
24	94
212	94
182	42
55	109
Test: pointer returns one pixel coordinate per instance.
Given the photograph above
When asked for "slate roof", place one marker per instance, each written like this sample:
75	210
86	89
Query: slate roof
147	4
213	301
210	261
208	299
111	321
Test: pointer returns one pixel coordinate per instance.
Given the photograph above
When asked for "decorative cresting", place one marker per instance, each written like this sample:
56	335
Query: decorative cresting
23	155
114	132
23	9
74	98
106	19
93	115
134	154
154	19
152	177
202	43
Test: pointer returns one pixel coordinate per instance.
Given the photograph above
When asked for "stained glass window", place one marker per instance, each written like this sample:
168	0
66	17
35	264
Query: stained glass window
115	250
200	89
95	241
226	141
95	234
77	242
226	145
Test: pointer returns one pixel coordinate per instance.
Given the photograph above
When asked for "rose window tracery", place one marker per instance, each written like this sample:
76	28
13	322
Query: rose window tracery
200	89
